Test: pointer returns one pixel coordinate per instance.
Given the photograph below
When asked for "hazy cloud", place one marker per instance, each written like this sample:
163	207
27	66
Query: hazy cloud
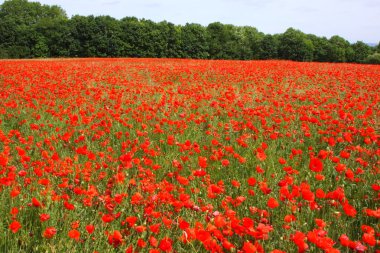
111	3
153	5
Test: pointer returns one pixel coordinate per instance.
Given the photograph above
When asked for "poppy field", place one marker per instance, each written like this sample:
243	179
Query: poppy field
173	155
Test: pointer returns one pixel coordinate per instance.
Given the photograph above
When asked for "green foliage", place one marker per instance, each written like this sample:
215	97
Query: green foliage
82	30
194	43
107	37
250	42
30	29
173	35
361	51
219	36
4	53
340	50
373	59
40	49
22	27
321	47
268	47
144	38
294	45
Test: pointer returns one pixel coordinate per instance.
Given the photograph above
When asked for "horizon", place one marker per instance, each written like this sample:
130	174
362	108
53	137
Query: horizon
270	17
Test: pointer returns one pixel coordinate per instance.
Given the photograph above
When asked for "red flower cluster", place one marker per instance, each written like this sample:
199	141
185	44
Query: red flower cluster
164	155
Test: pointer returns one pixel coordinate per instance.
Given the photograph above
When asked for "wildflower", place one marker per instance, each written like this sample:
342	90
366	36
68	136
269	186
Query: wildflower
315	165
166	244
44	217
14	226
90	229
50	232
74	234
115	239
272	203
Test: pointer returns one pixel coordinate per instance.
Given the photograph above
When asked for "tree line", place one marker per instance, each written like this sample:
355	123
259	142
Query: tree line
33	30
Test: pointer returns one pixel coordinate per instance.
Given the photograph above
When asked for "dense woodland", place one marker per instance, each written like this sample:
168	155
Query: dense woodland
33	30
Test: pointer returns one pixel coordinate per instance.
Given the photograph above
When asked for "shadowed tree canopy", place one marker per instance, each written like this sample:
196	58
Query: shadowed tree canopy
30	29
295	45
361	51
27	28
194	43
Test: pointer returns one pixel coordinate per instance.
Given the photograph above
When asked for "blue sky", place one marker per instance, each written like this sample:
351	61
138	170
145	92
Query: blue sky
352	19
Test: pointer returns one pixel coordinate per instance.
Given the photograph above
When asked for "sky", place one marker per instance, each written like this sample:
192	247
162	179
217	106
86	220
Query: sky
353	20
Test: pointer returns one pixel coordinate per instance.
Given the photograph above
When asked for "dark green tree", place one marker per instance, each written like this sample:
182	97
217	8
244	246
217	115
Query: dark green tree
268	47
321	47
173	36
55	34
373	59
340	50
83	32
152	42
194	41
129	36
19	20
30	29
223	41
95	36
107	38
144	38
294	45
249	39
361	51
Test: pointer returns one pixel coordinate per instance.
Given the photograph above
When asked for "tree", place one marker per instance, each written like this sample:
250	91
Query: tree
340	50
294	45
268	47
56	35
95	36
107	38
29	29
234	43
19	23
40	49
321	47
129	36
194	41
249	39
173	37
373	59
361	51
144	38
82	30
223	41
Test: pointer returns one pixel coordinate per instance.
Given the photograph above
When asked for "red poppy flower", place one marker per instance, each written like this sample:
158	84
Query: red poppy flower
50	232
166	244
202	161
261	155
115	239
248	247
272	203
251	181
315	165
225	162
36	203
44	217
349	209
14	226
74	234
90	228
